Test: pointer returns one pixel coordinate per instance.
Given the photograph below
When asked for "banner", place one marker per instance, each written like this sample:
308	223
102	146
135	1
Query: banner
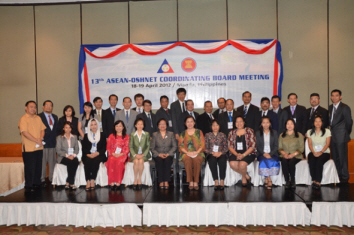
207	70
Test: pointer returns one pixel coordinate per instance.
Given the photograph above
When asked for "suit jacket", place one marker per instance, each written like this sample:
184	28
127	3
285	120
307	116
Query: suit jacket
135	109
101	148
144	143
181	118
147	124
204	123
108	121
62	146
216	114
74	123
224	119
102	116
251	116
341	125
319	111
159	145
120	115
282	117
273	119
176	111
49	134
273	139
300	115
161	113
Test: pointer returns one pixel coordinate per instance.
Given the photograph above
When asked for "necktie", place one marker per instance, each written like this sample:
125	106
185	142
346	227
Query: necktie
149	116
230	117
127	117
245	112
264	114
192	114
183	108
209	116
114	112
99	116
50	120
334	113
167	111
312	111
139	111
292	110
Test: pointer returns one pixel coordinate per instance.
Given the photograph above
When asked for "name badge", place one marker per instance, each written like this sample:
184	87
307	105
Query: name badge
239	146
70	151
37	145
229	125
318	148
93	149
169	123
215	149
51	127
140	151
266	148
118	150
85	130
294	120
100	124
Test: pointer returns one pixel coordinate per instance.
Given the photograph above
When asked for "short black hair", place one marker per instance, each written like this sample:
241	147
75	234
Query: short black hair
336	90
179	90
222	99
127	97
265	98
113	95
244	93
66	123
189	100
48	101
208	101
292	94
138	120
163	97
147	101
231	100
69	107
96	99
138	95
160	120
30	101
315	94
276	97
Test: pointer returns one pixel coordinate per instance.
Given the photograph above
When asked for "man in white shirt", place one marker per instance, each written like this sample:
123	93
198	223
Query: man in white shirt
98	102
139	99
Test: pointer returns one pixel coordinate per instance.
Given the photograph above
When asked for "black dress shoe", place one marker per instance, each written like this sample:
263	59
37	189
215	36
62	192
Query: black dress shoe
221	187
287	185
293	185
29	190
216	188
140	186
135	186
36	186
44	184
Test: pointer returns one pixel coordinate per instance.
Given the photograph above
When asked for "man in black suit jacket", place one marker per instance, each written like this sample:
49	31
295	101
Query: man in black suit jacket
50	120
164	112
204	120
265	104
227	119
139	99
177	108
98	102
282	115
109	115
341	123
297	112
249	111
182	117
316	110
221	109
148	117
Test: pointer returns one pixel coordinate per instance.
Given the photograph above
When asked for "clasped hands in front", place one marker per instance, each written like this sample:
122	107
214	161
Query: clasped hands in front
93	155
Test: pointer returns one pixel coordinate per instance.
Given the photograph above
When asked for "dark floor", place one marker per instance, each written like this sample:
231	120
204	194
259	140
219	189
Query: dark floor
153	194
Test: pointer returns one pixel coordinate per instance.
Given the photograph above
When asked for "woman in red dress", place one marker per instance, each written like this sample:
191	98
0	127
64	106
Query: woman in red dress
117	150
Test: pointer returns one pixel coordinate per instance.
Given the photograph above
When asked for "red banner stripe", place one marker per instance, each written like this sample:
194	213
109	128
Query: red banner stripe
87	89
276	76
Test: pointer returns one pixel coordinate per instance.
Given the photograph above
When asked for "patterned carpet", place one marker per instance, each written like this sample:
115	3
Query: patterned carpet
257	230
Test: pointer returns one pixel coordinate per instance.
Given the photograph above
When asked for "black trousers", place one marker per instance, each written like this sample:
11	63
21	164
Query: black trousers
340	157
71	166
316	165
91	166
163	168
213	163
288	167
33	167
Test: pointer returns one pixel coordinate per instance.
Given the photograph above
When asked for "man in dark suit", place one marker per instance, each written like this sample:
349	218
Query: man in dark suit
139	99
98	102
177	108
109	114
341	123
148	117
316	110
282	115
297	112
227	119
204	120
221	109
250	111
265	104
50	120
182	117
164	112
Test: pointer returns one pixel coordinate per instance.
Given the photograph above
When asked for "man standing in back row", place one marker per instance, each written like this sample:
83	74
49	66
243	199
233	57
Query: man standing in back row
177	108
249	111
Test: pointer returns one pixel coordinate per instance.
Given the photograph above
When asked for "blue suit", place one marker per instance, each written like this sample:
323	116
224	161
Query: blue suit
273	119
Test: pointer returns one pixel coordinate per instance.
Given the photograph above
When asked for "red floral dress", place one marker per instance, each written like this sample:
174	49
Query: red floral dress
116	165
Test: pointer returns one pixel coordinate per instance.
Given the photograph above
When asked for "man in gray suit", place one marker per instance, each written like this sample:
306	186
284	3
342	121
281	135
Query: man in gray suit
341	123
282	115
177	108
127	115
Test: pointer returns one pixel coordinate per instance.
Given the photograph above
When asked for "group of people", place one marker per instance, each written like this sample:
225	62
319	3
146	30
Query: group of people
226	136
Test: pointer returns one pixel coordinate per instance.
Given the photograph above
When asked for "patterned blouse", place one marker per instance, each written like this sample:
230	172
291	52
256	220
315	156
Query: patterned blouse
191	143
219	140
113	143
250	139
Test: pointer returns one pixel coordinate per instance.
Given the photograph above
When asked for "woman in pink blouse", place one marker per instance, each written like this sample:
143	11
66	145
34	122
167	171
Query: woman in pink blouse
242	147
117	150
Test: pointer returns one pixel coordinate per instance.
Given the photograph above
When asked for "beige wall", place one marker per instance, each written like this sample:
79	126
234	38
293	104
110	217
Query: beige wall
39	45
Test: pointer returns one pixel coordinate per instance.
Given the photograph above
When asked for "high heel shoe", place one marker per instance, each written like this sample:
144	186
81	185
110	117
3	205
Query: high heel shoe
140	186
